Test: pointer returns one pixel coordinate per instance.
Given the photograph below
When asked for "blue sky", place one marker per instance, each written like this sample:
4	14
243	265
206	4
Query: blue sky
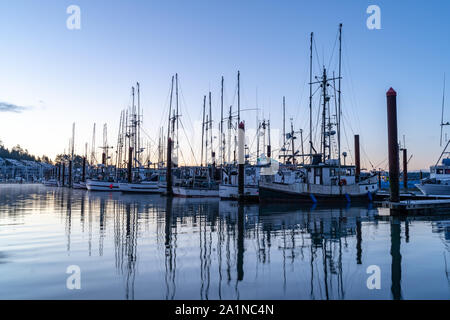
84	76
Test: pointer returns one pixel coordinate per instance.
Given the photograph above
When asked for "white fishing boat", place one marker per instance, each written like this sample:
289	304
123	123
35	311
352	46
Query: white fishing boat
99	185
51	183
324	179
229	190
321	183
438	183
195	192
140	187
79	185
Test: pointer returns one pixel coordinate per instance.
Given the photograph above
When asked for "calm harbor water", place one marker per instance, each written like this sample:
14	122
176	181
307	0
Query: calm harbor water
152	247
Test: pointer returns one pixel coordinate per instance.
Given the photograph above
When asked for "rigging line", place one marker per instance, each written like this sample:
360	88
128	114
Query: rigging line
317	54
332	52
305	82
346	65
192	151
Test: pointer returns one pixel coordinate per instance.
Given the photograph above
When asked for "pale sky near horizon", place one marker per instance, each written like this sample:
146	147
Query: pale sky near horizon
61	76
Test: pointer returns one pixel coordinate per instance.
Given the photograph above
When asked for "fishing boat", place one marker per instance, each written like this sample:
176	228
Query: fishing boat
196	183
149	185
438	183
50	183
102	185
79	185
324	179
228	189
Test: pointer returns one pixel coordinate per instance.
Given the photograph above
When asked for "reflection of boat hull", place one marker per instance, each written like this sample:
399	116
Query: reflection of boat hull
434	189
94	185
195	192
144	187
230	192
317	193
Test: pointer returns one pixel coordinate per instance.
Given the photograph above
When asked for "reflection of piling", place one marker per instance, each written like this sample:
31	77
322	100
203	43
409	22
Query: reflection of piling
241	160
169	190
357	158
240	244
405	170
396	266
130	161
358	241
393	145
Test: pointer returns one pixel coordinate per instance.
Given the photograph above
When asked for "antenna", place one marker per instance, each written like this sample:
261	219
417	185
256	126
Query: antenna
442	114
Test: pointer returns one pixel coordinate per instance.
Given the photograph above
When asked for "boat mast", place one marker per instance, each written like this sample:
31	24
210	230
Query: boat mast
177	115
442	115
284	130
93	147
203	129
210	131
339	102
222	137
138	125
239	97
170	111
229	135
324	115
310	97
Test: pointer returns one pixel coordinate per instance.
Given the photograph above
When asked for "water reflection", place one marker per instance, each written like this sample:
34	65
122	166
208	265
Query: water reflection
168	248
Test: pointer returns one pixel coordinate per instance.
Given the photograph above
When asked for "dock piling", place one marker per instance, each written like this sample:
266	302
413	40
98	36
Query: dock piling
391	96
241	160
405	170
169	190
357	158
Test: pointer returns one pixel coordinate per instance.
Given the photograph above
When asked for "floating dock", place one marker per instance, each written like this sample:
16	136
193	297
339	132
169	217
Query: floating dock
414	207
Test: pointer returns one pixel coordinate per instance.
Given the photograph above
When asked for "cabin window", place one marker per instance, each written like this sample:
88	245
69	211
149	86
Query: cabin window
439	171
332	172
447	171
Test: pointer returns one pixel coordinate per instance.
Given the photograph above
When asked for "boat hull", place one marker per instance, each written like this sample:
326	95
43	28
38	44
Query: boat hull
139	187
93	185
51	183
298	192
434	189
195	193
79	185
231	192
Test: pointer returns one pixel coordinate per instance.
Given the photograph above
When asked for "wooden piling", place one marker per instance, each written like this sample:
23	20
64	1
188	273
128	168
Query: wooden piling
169	189
357	158
391	96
